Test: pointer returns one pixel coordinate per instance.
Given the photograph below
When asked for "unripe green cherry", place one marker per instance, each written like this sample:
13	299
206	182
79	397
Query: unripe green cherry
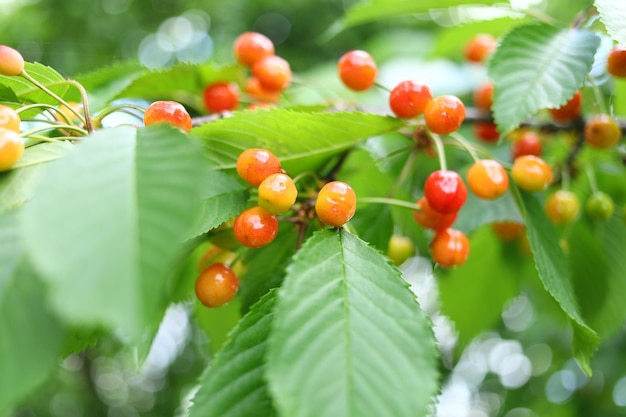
277	193
599	206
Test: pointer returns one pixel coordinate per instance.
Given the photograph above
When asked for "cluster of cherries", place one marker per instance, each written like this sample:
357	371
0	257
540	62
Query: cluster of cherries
269	76
11	143
257	226
601	131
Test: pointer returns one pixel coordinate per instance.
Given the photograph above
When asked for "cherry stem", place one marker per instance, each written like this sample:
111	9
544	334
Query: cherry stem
599	102
46	90
85	99
388	201
468	147
51	127
406	169
591	176
382	87
302	226
124	108
440	152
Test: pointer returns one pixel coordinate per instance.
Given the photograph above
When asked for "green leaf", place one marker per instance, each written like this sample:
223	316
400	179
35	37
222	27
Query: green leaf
554	272
538	66
108	222
27	93
349	338
217	323
302	141
223	198
613	15
600	253
105	83
492	272
16	185
30	337
477	212
234	384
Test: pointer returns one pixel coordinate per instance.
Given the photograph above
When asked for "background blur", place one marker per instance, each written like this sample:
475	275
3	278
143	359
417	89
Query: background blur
523	370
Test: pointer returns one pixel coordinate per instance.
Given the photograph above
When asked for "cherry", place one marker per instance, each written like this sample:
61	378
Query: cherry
11	61
357	70
531	173
9	118
444	114
409	99
602	131
528	143
400	249
221	96
562	207
599	206
256	164
255	227
486	132
449	248
167	112
428	218
256	91
335	204
508	230
250	47
569	111
480	47
616	61
11	148
273	73
487	179
216	285
277	193
483	96
445	191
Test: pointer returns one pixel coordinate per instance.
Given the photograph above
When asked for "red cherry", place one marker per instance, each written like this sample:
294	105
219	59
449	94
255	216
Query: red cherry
445	191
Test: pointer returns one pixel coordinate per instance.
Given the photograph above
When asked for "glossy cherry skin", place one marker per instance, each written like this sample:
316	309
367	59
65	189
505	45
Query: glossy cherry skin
409	99
357	70
445	191
531	173
255	90
616	61
255	227
487	179
250	47
216	285
255	164
335	204
428	218
449	248
11	148
273	73
277	193
11	61
444	114
169	112
9	118
221	96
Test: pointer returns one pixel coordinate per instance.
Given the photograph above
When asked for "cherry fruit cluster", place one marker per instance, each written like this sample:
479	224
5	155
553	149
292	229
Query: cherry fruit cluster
269	76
